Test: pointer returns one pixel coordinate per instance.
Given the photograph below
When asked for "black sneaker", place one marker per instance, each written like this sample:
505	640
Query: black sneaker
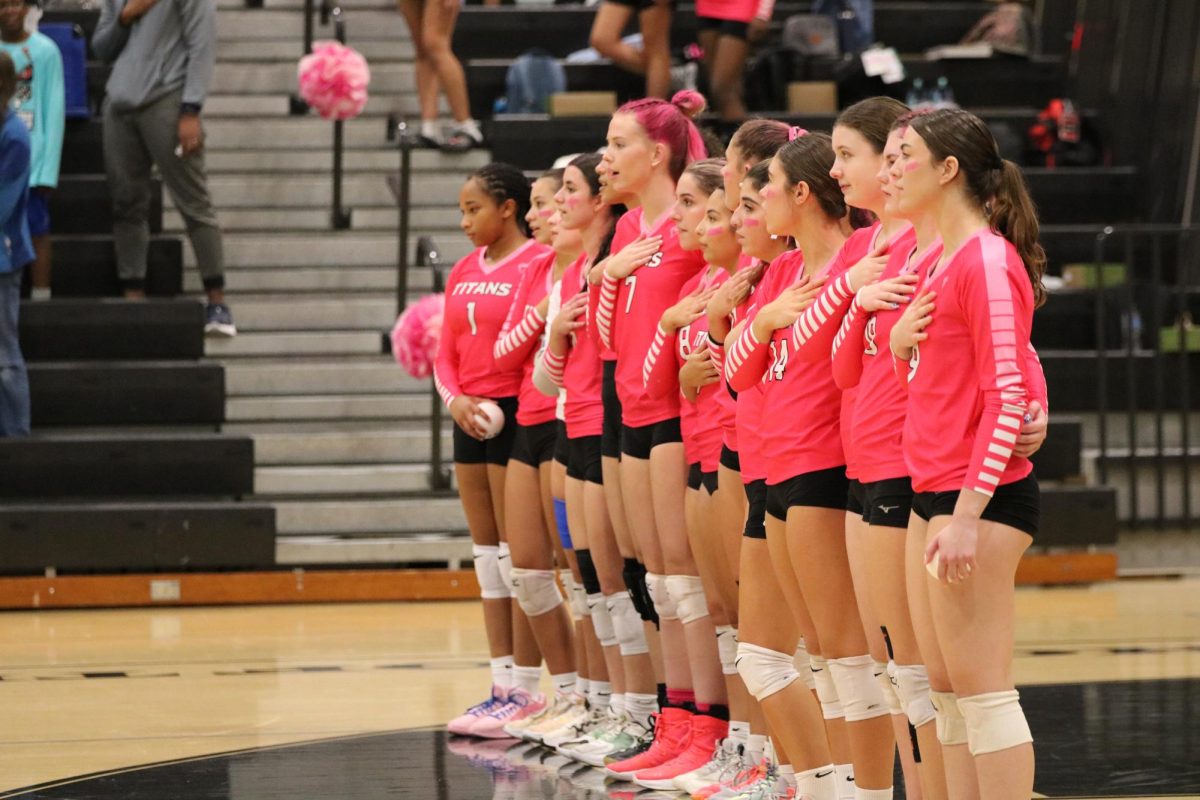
459	141
218	321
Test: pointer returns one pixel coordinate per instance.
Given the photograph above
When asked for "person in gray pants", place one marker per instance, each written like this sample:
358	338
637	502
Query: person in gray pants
163	53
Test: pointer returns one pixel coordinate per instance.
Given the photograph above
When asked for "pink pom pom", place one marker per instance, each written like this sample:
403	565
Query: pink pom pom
333	80
416	334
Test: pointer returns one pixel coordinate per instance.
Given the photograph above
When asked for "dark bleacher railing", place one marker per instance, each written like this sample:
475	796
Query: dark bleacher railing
402	187
439	475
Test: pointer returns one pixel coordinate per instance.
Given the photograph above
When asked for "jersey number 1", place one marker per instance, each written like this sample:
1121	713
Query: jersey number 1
471	318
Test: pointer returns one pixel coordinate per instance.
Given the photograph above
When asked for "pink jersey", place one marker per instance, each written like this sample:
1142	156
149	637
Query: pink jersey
627	228
521	335
967	385
631	311
727	399
582	371
699	421
737	10
478	297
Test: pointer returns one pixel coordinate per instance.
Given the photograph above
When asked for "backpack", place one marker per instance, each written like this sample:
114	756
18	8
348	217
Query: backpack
530	81
1062	138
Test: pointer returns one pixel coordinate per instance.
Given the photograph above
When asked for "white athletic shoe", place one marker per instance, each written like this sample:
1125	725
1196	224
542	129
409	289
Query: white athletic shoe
726	753
565	709
622	734
574	730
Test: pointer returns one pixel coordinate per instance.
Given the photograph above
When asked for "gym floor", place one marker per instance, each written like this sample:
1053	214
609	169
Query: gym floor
343	701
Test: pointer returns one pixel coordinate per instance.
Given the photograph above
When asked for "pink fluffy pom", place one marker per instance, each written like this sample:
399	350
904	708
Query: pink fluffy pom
415	337
334	79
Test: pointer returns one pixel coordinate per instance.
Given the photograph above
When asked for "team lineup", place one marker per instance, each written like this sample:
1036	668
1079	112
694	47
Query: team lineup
767	418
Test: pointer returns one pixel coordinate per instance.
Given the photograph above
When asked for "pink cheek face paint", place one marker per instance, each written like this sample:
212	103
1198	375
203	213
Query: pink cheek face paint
572	202
545	213
716	230
911	166
750	222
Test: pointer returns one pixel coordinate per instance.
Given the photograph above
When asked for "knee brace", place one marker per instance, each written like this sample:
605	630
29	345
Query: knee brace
804	666
883	674
492	585
857	688
634	574
504	562
656	585
560	522
994	721
912	686
687	596
577	600
727	645
831	705
627	624
587	571
535	590
601	620
951	727
765	672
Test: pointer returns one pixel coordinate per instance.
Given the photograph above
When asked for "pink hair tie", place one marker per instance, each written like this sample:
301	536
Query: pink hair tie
795	132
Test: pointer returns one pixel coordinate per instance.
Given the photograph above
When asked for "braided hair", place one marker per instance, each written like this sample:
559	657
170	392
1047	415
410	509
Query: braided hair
503	182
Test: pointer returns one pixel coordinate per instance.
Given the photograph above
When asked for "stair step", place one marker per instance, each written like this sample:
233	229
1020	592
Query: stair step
362	24
294	132
344	480
305	191
290	313
333	249
370	516
307	280
268	106
376	52
113	329
327	407
294	345
95	393
438	221
384	375
279	77
372	446
320	161
454	550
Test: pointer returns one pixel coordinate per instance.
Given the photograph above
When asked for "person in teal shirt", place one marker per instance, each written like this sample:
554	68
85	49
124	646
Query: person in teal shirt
40	102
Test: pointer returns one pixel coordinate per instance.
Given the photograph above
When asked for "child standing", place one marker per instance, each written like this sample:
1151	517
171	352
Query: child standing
17	252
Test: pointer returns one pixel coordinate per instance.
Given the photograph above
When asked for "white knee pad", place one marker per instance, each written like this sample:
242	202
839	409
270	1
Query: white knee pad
504	563
687	595
995	721
912	685
536	590
579	601
831	705
804	666
890	696
492	585
601	620
727	645
627	624
857	688
656	585
764	671
951	727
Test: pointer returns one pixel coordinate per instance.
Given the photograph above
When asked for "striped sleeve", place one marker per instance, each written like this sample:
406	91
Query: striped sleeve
848	347
660	372
990	306
814	330
515	345
746	360
555	366
606	310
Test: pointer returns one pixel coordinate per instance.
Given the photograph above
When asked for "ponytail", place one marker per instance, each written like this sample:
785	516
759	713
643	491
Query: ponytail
1012	215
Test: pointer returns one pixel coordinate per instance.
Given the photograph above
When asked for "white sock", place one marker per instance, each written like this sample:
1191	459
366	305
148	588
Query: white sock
527	678
471	128
430	129
788	773
581	686
820	783
599	695
845	781
872	794
738	732
564	683
616	703
755	747
641	707
502	671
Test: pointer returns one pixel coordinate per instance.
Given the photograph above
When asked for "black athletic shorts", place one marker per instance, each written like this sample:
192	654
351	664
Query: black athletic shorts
730	459
724	27
583	463
888	502
610	441
640	5
825	488
854	498
638	442
535	444
561	452
468	450
756	512
1017	505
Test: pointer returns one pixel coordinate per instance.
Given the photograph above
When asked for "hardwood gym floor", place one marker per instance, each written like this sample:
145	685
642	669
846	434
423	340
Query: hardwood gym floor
342	701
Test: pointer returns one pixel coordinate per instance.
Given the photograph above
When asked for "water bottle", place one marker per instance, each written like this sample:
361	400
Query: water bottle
944	94
1068	123
916	93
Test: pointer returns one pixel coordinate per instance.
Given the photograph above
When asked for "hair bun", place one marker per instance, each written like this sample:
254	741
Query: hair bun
690	102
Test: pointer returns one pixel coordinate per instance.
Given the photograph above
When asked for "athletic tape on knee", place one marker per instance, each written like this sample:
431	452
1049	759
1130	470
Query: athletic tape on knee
601	621
890	696
827	694
951	727
587	571
727	645
576	598
656	585
995	721
912	686
560	522
536	591
765	672
804	666
504	563
687	596
492	585
627	624
634	575
857	688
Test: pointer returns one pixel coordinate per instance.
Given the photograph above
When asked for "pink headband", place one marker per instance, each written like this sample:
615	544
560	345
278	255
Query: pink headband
795	132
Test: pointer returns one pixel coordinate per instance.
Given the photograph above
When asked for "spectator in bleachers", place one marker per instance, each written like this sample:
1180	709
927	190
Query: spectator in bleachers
14	255
40	102
653	58
163	56
431	25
